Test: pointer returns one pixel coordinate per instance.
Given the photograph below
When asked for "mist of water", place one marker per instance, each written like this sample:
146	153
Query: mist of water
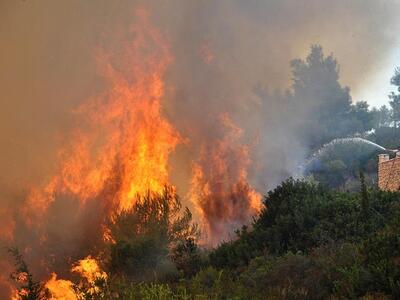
355	146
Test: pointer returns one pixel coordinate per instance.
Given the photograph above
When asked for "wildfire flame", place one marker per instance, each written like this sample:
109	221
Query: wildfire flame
121	147
219	190
119	150
125	140
60	289
87	268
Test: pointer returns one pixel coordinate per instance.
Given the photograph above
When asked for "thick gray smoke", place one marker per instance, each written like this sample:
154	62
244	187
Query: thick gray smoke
228	51
48	61
226	54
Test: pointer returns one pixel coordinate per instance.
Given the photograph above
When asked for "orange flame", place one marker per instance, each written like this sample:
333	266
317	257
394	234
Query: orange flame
14	295
60	289
219	190
125	142
89	269
121	148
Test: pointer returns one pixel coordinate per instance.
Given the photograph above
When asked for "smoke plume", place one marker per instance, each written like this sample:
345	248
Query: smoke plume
199	87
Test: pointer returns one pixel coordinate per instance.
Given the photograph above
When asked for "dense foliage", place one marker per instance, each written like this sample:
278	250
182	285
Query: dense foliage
330	115
151	237
320	243
309	242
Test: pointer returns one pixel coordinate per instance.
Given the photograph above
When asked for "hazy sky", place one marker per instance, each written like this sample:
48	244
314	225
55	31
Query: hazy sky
376	86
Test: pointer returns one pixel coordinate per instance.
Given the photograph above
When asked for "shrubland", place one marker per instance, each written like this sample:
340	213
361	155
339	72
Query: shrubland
309	242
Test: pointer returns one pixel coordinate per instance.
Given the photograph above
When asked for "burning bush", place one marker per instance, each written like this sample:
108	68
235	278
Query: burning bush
151	241
28	288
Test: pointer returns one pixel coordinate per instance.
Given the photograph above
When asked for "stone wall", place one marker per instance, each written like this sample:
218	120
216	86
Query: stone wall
389	173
